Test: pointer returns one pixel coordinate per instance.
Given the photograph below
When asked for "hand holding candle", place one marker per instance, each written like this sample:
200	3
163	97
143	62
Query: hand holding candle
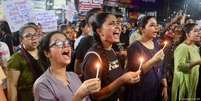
98	69
165	44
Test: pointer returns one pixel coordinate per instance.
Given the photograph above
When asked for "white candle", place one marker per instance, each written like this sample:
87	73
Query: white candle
141	61
165	44
98	69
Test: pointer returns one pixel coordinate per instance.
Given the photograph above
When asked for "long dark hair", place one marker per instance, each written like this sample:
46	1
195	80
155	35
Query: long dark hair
5	27
44	47
83	23
97	24
91	13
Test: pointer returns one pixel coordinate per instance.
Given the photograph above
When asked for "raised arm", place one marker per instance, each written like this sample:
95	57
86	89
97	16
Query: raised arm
134	53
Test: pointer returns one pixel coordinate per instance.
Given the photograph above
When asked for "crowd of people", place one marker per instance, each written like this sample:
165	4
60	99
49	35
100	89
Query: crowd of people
103	59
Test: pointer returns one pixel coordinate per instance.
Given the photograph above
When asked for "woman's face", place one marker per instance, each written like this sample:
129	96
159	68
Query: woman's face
60	50
151	28
110	30
70	33
30	39
194	34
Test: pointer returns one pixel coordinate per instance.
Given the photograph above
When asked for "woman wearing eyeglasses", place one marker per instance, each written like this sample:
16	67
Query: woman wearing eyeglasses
56	84
24	67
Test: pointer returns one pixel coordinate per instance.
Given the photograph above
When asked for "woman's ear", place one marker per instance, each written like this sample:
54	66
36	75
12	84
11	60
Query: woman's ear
99	32
187	35
47	54
21	40
141	30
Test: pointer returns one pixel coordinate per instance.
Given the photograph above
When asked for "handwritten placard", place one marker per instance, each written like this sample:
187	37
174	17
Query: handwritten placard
47	19
17	13
70	11
198	22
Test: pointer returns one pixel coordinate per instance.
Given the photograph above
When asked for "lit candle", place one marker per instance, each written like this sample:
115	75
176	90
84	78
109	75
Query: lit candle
98	69
141	59
165	44
75	36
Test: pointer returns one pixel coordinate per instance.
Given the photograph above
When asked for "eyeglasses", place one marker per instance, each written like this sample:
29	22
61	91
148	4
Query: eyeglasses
116	23
60	44
31	35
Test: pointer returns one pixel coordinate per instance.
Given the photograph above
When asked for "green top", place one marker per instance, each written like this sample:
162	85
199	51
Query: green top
26	79
185	79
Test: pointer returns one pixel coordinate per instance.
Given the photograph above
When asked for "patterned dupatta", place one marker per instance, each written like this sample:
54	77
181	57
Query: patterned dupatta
33	64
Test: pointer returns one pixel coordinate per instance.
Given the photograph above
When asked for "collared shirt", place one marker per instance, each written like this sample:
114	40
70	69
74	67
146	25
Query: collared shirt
77	41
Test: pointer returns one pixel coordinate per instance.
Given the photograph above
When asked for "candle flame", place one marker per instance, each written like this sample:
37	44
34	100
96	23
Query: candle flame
98	65
165	42
141	59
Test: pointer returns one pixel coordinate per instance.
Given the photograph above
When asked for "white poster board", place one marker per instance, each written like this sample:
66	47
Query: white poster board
17	13
59	4
1	13
47	19
199	23
70	11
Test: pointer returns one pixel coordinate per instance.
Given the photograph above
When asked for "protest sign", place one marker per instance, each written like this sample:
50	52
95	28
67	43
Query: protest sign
17	13
70	11
47	19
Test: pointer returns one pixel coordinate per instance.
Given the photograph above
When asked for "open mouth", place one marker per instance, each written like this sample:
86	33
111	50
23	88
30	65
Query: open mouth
66	54
115	33
116	36
34	43
156	32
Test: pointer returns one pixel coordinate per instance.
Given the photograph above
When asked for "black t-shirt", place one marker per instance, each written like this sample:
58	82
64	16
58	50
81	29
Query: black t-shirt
83	46
108	72
124	38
